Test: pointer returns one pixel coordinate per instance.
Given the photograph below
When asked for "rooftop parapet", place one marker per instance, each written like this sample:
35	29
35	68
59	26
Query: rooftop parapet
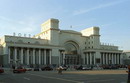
90	31
51	23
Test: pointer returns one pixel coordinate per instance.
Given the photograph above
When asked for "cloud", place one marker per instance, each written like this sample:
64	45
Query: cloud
82	11
5	19
9	26
125	44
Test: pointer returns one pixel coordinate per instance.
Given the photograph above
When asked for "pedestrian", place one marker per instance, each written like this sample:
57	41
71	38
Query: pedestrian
13	66
60	70
128	80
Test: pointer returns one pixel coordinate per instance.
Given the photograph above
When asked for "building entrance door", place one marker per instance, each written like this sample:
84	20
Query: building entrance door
72	59
72	56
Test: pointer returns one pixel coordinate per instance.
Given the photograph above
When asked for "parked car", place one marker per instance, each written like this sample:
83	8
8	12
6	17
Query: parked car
46	68
28	69
84	68
64	68
36	69
1	70
87	68
110	67
19	70
79	68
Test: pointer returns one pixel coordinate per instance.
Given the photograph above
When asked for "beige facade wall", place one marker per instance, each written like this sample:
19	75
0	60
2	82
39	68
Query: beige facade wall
62	46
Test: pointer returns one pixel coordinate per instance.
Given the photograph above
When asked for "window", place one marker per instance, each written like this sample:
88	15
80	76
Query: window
89	42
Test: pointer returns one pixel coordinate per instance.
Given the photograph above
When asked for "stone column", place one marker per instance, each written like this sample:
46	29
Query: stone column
59	57
45	56
15	56
63	57
109	58
42	57
112	58
33	56
120	59
94	54
115	58
9	55
87	58
27	56
90	58
50	55
21	57
103	58
106	58
39	56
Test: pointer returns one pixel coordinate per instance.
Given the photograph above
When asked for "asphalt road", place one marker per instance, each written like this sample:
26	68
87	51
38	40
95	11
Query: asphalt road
53	77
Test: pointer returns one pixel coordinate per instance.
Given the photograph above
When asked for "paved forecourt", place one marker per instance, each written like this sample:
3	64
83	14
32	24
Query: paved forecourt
87	76
98	72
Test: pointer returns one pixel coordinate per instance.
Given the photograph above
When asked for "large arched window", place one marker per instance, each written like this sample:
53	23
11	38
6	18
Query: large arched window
71	47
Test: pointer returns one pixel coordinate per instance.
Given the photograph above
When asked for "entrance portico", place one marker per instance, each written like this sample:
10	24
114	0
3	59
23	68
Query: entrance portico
28	56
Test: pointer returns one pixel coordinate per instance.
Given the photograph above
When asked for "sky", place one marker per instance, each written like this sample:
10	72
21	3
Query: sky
26	17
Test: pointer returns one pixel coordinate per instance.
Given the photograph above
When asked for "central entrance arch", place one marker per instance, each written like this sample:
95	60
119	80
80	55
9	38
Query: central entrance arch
72	56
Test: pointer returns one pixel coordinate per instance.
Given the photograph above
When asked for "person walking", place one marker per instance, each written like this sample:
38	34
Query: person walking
128	80
60	70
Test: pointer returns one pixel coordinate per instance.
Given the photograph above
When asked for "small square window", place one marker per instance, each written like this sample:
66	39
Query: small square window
89	42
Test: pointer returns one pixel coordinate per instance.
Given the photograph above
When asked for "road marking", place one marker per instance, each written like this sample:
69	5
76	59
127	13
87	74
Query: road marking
101	80
123	82
2	82
26	78
56	78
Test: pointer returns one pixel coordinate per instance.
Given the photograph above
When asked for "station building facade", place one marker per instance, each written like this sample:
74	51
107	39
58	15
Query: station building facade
126	57
55	46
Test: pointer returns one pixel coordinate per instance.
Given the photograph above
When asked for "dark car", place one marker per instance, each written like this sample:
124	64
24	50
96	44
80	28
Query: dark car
84	68
28	69
47	68
110	67
79	68
64	68
114	67
19	70
36	69
1	70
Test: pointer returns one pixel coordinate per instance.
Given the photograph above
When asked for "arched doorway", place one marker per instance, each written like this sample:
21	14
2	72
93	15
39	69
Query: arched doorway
72	56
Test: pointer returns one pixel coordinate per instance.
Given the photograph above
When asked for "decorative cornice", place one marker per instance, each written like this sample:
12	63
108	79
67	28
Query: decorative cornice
100	50
46	31
32	44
